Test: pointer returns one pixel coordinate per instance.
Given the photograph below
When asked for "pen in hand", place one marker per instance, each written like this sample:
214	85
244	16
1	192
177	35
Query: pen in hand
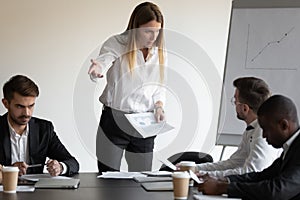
35	165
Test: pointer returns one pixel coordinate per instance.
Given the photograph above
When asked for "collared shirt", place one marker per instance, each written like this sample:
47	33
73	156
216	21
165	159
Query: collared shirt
253	154
288	143
19	147
135	91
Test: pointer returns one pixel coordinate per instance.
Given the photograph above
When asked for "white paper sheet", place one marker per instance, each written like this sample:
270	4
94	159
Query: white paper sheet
195	177
166	162
157	173
146	124
200	196
121	175
22	188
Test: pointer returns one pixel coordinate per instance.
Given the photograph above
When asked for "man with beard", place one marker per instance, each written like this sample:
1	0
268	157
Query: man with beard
253	153
27	141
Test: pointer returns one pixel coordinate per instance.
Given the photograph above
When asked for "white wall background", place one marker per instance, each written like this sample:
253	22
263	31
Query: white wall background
50	41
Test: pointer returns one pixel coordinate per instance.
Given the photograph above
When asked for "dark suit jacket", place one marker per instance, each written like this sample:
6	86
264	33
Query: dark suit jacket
279	181
43	142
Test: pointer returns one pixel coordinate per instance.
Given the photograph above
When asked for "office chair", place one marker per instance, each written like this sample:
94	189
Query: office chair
197	157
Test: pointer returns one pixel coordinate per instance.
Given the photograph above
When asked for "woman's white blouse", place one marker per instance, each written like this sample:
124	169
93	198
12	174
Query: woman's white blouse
130	92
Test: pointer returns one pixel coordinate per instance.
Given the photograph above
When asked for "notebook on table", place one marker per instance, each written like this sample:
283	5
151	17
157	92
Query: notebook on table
57	183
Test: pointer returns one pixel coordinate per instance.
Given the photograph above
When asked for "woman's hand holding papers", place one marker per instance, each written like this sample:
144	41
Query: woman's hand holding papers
159	112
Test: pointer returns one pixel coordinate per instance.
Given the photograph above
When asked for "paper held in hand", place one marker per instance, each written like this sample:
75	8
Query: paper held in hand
146	124
166	162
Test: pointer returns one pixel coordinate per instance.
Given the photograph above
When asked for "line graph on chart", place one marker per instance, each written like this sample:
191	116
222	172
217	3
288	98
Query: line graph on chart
265	48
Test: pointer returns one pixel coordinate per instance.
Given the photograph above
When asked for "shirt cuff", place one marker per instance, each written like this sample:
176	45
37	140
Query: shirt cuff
65	168
228	180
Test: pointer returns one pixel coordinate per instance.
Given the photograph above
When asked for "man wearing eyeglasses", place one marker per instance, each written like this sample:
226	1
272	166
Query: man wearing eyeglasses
253	153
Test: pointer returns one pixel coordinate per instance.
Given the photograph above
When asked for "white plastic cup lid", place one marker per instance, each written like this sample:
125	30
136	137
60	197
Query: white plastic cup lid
180	175
10	169
187	163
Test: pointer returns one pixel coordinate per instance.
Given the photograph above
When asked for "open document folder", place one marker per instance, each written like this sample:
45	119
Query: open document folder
146	124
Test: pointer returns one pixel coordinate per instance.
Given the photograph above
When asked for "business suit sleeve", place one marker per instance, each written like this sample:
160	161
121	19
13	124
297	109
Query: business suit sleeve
279	181
57	151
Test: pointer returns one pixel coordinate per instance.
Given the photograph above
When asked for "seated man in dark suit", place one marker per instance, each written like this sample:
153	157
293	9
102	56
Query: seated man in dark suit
278	119
27	140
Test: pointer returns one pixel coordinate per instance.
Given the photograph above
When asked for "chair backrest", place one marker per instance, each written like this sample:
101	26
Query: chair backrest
197	157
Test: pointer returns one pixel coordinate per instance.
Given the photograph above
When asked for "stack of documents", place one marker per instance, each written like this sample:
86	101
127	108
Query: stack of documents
121	175
150	181
158	173
135	175
154	176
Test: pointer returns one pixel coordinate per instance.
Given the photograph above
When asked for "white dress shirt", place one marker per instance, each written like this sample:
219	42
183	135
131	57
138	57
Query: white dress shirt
130	92
253	154
19	147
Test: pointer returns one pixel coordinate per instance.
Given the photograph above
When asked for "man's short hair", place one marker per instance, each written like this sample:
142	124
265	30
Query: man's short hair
19	84
252	91
279	107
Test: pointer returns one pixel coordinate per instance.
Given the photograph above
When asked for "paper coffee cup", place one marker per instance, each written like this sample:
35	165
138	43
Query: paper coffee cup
10	179
181	184
187	165
0	173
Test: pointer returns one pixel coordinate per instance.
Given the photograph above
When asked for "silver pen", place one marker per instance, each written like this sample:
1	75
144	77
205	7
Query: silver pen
35	165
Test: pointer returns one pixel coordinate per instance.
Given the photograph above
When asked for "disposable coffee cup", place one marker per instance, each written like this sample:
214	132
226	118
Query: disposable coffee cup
10	179
181	184
186	166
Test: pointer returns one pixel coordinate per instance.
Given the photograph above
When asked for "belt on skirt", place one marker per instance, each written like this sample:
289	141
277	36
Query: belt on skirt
107	108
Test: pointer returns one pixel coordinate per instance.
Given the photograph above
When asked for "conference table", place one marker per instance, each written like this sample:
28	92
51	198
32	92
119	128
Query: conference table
93	188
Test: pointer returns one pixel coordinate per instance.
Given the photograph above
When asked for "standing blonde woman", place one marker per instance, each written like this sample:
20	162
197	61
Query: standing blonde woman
136	62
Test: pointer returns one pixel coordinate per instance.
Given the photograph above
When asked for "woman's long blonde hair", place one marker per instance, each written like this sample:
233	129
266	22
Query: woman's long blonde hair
142	14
